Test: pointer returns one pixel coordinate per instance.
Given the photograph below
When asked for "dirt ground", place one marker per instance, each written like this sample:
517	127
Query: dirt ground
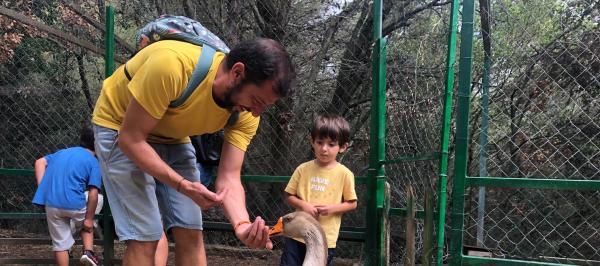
217	255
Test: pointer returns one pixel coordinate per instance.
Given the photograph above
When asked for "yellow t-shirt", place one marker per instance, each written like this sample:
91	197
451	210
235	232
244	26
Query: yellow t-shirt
160	73
318	185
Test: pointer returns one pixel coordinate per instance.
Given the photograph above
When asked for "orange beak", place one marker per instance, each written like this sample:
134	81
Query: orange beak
277	229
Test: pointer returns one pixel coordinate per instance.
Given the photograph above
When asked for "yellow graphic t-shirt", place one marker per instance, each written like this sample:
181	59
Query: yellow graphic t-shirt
318	185
160	72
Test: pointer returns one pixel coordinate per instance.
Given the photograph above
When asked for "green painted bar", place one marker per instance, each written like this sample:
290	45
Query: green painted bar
359	180
472	260
428	229
265	179
373	252
17	172
109	68
445	131
462	132
420	157
534	183
399	212
29	215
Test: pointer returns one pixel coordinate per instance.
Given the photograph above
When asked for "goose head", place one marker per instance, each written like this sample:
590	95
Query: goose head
302	225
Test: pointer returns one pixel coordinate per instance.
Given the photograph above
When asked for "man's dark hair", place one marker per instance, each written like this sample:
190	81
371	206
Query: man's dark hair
332	126
86	137
264	60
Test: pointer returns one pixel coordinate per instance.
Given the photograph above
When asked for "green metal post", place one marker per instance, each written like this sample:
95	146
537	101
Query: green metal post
374	251
428	229
462	134
446	125
483	142
109	67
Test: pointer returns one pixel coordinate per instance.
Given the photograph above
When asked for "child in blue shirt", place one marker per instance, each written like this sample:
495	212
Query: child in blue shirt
63	178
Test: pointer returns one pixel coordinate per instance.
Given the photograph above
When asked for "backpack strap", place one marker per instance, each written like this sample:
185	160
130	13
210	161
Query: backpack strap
233	118
200	71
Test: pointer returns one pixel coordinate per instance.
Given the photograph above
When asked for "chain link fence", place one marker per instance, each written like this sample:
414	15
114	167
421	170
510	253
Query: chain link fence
49	83
416	74
47	88
544	95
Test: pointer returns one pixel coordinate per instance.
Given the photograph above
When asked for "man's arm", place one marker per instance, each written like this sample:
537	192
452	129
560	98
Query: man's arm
136	127
92	202
40	169
254	235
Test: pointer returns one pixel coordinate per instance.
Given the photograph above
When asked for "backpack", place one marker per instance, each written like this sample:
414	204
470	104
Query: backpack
167	27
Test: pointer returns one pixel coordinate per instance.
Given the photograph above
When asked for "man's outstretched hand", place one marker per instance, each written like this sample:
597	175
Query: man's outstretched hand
201	195
254	235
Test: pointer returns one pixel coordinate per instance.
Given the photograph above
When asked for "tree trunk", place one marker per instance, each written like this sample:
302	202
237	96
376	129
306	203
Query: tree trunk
161	8
189	9
85	87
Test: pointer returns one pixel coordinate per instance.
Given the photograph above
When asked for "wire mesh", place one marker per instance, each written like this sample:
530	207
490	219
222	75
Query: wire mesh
543	123
416	71
49	83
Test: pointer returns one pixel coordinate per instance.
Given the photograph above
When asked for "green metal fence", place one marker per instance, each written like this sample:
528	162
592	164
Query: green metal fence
525	150
526	178
52	69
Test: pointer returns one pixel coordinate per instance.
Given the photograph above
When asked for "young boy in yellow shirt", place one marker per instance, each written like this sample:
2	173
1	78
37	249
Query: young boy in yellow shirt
322	187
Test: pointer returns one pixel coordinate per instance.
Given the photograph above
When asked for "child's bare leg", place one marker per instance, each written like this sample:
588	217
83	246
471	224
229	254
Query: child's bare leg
162	251
88	240
62	257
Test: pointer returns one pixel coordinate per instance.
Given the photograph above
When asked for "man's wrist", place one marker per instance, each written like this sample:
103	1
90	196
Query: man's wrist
240	224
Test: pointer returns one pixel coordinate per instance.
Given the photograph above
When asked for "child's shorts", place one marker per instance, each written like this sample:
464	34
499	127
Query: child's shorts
60	228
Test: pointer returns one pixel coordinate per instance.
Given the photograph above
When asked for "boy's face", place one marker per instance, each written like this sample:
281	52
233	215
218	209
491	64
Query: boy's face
326	150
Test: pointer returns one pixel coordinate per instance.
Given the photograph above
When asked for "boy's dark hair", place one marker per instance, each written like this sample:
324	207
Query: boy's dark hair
264	59
332	126
86	137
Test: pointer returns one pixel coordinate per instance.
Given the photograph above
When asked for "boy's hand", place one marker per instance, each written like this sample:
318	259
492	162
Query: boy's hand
325	209
312	210
201	195
88	225
254	235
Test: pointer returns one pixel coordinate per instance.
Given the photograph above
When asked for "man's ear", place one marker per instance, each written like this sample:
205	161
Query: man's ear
238	71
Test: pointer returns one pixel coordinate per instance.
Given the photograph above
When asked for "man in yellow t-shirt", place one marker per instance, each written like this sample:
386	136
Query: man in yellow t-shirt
322	187
147	161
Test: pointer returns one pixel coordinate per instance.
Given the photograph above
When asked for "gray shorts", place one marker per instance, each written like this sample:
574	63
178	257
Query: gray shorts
139	203
59	225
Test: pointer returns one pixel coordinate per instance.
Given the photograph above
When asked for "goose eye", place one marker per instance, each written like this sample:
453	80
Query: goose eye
286	219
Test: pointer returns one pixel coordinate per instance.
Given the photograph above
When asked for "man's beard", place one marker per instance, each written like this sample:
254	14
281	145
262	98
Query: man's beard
227	101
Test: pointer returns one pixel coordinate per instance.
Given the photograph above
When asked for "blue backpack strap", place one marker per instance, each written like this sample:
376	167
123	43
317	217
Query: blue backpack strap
233	118
200	71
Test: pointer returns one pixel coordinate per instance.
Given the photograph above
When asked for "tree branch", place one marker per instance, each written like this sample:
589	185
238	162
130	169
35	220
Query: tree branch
63	36
403	20
100	26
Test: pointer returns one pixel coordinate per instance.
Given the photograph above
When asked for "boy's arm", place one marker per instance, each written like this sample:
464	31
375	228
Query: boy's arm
339	208
300	204
40	169
92	202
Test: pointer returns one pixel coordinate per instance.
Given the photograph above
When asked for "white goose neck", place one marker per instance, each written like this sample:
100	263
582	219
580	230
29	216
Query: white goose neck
316	246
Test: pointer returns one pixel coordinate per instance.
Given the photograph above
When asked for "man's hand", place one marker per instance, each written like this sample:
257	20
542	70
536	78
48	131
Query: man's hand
201	195
88	225
311	209
325	209
254	235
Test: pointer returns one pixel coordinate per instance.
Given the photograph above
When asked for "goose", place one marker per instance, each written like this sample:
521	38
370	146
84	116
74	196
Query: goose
302	225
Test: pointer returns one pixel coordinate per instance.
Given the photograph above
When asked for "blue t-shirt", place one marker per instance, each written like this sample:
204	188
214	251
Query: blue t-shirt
68	175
